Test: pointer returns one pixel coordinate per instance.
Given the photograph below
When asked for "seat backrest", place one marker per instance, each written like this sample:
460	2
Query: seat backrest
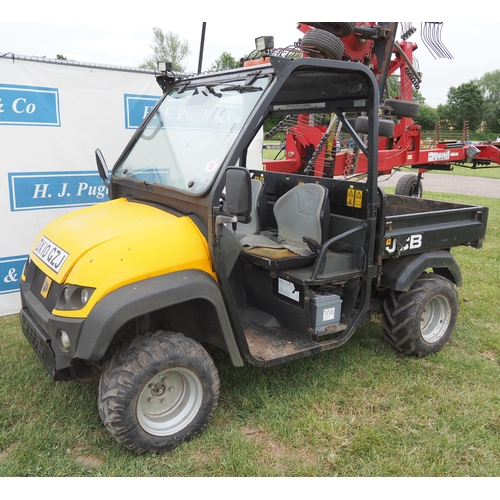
303	211
258	213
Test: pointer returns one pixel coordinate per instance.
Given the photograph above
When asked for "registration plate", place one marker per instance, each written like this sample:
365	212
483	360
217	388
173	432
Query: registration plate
50	254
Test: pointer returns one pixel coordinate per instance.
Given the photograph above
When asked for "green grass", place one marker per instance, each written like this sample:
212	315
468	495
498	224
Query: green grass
492	172
360	410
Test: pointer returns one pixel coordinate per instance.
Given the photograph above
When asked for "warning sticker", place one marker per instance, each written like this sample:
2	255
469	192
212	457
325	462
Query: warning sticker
354	198
358	198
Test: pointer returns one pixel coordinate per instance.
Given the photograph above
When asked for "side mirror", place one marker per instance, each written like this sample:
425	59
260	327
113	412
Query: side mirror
102	168
238	191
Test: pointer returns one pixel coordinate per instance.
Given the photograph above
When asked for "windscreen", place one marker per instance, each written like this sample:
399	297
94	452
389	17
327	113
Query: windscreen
188	137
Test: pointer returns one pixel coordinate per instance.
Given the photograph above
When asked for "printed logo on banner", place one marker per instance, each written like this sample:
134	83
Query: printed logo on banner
137	108
23	105
42	190
11	269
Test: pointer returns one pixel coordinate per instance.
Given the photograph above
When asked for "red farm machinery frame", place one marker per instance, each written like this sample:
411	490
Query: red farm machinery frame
317	145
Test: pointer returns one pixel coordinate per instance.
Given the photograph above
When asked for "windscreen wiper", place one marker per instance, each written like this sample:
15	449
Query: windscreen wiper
240	88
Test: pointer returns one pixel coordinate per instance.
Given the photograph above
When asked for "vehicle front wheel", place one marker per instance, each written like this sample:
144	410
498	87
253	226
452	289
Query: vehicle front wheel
420	321
160	391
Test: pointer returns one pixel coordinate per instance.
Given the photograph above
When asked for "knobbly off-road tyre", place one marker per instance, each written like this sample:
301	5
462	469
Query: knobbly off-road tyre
320	43
158	392
385	126
399	107
409	185
420	321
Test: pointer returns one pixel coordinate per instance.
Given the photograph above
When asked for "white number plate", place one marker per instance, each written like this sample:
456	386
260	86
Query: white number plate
50	254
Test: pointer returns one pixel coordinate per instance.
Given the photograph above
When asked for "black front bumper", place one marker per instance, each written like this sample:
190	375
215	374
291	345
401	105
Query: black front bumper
39	340
41	329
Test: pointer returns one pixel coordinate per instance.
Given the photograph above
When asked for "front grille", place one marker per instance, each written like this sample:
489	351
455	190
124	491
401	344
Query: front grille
38	341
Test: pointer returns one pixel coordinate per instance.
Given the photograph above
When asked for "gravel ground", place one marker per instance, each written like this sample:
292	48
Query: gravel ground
459	184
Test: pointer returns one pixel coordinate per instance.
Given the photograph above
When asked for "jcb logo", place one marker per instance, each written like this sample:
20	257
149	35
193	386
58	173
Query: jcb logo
412	242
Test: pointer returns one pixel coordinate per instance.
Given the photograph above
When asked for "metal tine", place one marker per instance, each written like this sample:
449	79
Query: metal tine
424	27
431	36
445	50
432	39
437	39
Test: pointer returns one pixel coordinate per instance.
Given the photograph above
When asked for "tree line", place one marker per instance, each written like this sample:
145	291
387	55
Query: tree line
477	102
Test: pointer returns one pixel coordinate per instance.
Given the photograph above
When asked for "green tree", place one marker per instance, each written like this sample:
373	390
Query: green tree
167	47
464	103
442	110
418	97
427	117
225	61
392	87
490	86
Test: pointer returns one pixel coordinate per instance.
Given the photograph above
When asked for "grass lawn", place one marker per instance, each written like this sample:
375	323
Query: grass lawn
360	410
492	172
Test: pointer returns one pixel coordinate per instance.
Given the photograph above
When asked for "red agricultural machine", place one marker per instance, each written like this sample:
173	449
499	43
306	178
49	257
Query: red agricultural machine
322	145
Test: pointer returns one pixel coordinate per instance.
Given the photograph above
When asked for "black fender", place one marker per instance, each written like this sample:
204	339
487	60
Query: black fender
400	273
146	296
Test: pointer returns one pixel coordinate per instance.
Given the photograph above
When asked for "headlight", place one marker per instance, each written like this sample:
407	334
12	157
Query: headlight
84	296
74	297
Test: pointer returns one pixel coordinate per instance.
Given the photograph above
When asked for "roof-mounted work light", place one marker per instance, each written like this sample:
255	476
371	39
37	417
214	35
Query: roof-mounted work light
166	77
163	66
264	43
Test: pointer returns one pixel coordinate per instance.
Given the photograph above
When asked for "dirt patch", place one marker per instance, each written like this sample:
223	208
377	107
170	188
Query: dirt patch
489	355
267	443
279	457
5	453
85	459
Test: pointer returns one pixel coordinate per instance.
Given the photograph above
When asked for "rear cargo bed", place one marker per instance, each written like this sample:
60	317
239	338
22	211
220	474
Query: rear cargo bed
416	225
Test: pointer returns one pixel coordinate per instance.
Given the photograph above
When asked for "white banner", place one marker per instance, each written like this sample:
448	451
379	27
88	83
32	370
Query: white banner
53	116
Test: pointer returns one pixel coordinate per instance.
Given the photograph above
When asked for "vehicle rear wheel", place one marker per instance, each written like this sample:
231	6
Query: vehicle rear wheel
322	44
160	391
409	185
420	321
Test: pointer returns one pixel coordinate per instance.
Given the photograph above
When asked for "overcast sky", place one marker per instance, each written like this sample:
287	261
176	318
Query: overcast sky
121	33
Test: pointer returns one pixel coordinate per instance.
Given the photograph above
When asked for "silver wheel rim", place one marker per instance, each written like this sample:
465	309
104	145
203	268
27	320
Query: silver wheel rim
169	402
435	319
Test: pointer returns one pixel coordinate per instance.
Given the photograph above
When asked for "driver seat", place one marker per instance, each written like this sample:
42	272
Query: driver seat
302	212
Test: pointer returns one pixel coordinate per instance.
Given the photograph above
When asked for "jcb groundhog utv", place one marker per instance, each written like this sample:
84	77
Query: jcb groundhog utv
199	245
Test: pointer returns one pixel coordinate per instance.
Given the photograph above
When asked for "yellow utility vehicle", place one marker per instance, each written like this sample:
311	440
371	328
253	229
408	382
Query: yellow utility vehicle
199	246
